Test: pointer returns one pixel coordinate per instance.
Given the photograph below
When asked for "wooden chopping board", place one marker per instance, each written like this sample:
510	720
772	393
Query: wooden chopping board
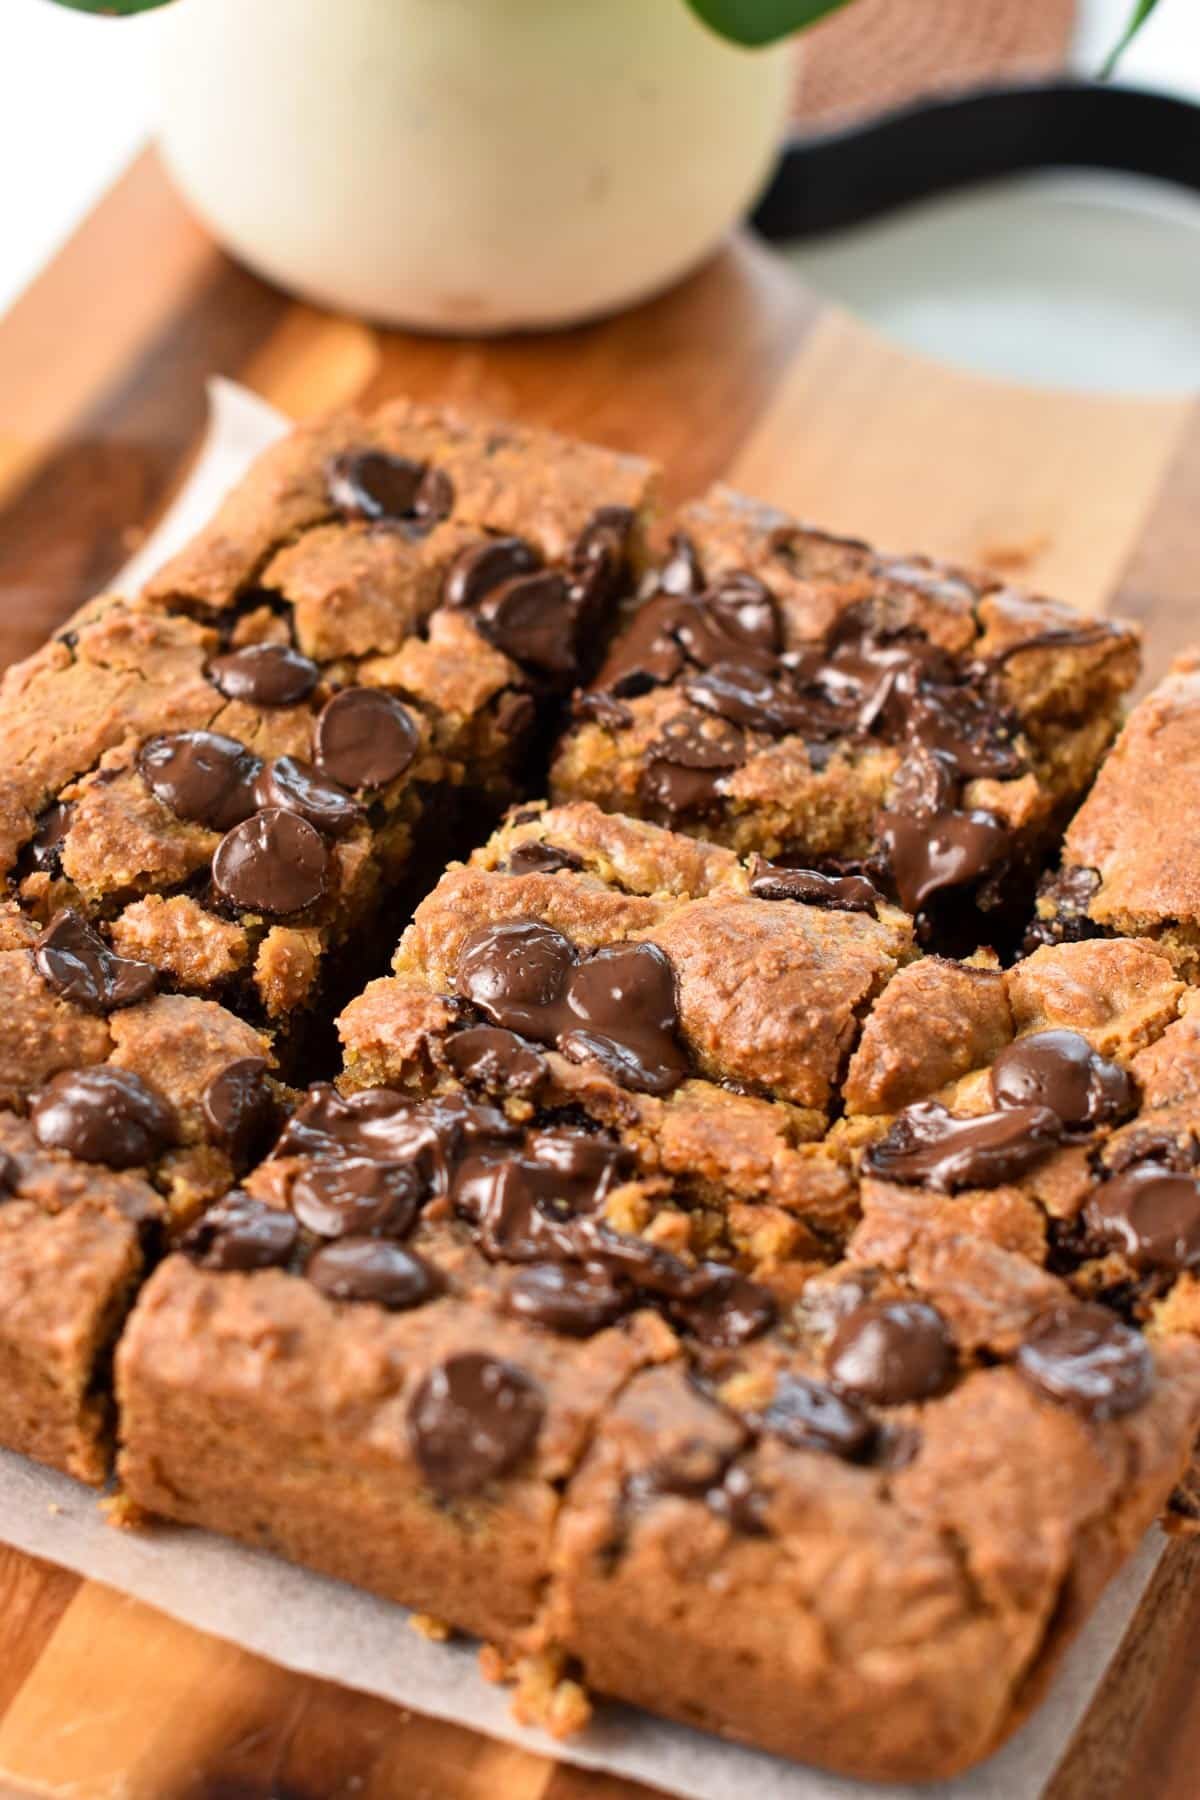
738	374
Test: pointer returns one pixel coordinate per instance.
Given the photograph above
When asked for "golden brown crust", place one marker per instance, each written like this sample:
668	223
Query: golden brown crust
1137	830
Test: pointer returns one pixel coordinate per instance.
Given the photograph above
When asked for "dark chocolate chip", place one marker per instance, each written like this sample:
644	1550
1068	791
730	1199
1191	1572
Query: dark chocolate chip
532	620
364	738
480	568
370	484
1151	1214
733	1311
10	1175
358	1196
298	788
685	767
471	1419
892	1351
46	846
264	675
1085	1357
104	1115
808	1415
1060	1069
681	573
240	1109
516	973
496	1060
750	698
373	1270
76	962
201	776
524	1208
947	850
272	863
566	1297
537	857
928	1146
435	499
622	1013
841	893
241	1233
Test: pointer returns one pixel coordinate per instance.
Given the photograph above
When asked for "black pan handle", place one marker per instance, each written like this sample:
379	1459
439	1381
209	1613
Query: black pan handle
824	184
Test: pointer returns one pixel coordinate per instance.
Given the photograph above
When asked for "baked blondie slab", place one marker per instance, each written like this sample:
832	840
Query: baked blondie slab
232	773
1131	856
800	696
117	1126
850	1514
586	965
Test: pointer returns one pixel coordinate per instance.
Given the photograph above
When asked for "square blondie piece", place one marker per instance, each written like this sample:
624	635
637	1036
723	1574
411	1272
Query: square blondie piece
229	774
585	964
1131	856
800	696
115	1131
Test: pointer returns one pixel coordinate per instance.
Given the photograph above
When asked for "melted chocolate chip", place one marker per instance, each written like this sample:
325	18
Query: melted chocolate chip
273	863
752	699
358	1196
364	738
1059	1069
240	1109
891	1351
264	675
564	1297
241	1233
1086	1358
523	1207
297	788
1151	1214
531	619
681	573
201	776
46	846
621	1000
537	857
498	1061
928	1146
481	568
370	484
732	1311
517	974
104	1115
928	855
76	962
375	1271
389	1127
10	1175
807	1415
684	768
470	1420
841	893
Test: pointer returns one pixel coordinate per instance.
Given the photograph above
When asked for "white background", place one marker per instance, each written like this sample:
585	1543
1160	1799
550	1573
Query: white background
76	101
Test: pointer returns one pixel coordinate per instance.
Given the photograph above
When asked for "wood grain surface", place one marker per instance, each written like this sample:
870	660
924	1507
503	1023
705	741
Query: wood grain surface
742	374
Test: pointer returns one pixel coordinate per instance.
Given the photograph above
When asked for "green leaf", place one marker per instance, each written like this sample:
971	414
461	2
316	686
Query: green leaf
762	21
1141	13
118	8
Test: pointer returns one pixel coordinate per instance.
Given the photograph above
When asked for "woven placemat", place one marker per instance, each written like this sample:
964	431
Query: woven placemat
881	54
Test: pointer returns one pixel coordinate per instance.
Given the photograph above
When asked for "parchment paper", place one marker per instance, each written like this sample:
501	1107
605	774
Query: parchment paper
325	1628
